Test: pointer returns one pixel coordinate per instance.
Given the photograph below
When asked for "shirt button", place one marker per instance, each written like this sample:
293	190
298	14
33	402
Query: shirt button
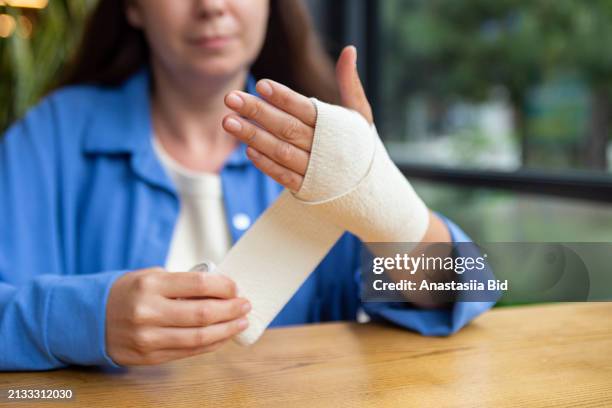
241	221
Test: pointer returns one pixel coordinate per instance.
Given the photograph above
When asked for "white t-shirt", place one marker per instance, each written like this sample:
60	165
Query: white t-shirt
201	232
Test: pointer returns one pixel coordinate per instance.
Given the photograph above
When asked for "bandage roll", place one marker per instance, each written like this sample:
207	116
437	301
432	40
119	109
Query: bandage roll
350	184
274	257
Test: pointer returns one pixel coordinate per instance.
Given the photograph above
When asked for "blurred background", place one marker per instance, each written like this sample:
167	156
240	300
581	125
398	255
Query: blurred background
499	111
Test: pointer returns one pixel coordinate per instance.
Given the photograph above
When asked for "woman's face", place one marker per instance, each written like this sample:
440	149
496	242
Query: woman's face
202	38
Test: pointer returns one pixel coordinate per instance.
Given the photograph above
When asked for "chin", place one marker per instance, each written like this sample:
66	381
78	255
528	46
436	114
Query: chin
218	67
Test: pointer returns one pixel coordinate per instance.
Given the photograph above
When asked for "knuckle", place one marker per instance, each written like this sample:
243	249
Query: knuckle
237	308
203	316
250	135
200	282
229	285
201	338
232	287
255	109
291	130
140	315
284	152
143	342
284	97
145	283
286	178
233	328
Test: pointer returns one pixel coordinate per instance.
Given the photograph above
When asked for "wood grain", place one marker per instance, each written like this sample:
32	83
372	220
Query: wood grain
553	355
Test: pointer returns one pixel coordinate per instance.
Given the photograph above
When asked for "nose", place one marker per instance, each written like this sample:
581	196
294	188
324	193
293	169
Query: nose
211	8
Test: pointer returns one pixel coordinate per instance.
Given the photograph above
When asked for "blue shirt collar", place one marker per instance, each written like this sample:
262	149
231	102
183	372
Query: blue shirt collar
123	123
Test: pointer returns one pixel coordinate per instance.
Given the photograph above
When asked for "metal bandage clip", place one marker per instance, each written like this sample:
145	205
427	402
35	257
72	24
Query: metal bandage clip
205	266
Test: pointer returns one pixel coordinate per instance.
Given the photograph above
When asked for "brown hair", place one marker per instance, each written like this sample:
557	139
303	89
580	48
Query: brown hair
112	50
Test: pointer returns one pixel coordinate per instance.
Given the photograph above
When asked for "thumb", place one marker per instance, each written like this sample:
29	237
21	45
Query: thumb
352	94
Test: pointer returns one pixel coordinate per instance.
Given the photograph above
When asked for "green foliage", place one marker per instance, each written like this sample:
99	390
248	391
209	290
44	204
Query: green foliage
463	47
29	65
450	49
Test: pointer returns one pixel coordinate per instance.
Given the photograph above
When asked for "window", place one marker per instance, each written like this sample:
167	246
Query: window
498	85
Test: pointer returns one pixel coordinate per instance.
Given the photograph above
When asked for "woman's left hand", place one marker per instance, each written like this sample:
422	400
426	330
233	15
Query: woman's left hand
279	129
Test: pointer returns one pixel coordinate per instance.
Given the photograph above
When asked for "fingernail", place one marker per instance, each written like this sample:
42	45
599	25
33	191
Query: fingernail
246	308
264	88
243	323
234	101
233	125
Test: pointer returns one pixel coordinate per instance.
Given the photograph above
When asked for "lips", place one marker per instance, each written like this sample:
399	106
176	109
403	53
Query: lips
212	41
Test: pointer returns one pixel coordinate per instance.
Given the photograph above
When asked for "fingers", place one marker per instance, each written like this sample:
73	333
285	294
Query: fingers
277	122
160	338
286	177
199	313
196	284
281	152
351	90
288	100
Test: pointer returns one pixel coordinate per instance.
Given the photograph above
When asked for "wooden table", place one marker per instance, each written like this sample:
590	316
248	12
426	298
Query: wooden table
549	355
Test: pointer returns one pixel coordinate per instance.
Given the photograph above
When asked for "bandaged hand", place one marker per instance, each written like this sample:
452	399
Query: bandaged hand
321	152
279	130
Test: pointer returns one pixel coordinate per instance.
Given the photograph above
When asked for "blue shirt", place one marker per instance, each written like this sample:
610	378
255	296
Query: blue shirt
84	199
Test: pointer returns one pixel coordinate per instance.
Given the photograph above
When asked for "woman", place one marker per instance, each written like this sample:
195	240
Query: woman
140	161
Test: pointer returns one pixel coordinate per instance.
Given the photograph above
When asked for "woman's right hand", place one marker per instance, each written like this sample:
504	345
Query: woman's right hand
154	316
